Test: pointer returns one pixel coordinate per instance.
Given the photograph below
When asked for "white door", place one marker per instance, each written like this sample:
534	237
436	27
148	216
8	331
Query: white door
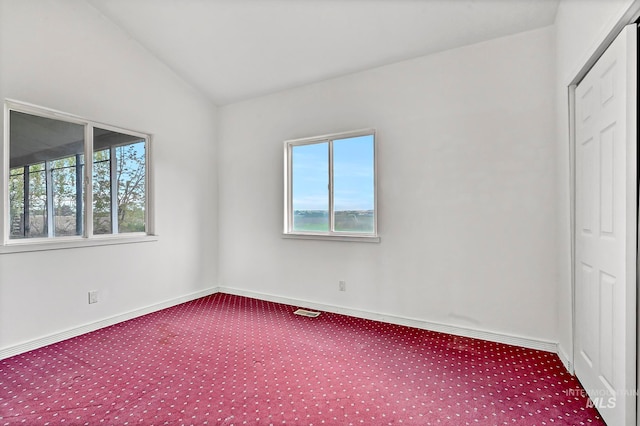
606	229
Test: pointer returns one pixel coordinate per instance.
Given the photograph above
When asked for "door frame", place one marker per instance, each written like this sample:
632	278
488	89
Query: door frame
631	15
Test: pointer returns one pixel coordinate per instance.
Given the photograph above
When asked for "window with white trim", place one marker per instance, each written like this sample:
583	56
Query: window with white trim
330	186
52	192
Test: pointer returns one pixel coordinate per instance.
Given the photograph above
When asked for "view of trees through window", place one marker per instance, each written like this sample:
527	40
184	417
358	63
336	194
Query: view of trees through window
46	179
128	185
29	181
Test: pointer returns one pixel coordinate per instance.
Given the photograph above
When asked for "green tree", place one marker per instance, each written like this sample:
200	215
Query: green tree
16	201
131	187
37	200
63	172
101	192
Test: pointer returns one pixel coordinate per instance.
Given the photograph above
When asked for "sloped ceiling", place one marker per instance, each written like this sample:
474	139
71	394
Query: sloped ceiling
233	50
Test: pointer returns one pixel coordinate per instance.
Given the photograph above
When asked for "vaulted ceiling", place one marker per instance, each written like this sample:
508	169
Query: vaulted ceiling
233	50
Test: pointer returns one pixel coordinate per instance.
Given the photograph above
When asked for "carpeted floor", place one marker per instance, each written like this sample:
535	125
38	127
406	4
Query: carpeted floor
230	360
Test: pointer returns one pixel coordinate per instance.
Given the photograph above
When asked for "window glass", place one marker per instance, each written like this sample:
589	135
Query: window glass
119	182
37	224
45	199
16	203
101	182
331	187
131	187
310	182
66	177
353	184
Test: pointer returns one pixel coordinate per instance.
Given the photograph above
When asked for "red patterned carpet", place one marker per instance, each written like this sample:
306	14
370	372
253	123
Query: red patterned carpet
229	360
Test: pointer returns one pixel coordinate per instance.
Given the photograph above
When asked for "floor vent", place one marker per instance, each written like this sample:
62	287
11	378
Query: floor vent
306	313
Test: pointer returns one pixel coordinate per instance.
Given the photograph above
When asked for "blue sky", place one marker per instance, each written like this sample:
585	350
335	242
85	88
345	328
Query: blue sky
353	175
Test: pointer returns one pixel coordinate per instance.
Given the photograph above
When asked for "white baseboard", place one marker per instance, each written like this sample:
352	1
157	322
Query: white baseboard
565	359
525	342
392	319
77	331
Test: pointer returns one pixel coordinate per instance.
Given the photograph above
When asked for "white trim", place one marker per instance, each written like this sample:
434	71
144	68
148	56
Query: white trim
508	339
87	328
61	243
149	188
566	360
332	213
5	226
287	190
491	336
572	218
87	188
331	136
333	237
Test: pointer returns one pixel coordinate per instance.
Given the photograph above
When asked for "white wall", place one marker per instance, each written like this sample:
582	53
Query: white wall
62	54
580	28
474	179
466	190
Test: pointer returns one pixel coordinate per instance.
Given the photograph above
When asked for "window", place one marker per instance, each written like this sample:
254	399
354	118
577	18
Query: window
119	175
54	193
330	187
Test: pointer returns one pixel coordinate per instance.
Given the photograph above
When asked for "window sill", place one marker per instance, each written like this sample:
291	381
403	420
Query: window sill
325	237
23	246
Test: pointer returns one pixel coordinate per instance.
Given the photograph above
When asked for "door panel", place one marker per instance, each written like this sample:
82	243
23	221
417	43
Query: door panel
606	226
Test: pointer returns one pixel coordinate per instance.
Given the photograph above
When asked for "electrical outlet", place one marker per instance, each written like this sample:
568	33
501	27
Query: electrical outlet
93	296
342	285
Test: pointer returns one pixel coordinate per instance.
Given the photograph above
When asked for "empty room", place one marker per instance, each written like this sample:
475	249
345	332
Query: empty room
318	212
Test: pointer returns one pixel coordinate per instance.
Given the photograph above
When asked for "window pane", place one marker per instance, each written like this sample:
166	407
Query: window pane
310	187
353	184
38	144
16	202
37	200
119	183
66	176
131	187
102	192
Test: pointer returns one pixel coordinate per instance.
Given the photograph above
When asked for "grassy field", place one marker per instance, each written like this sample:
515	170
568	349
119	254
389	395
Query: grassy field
345	221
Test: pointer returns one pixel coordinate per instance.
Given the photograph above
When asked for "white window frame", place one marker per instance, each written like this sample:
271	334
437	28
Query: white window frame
87	239
288	187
